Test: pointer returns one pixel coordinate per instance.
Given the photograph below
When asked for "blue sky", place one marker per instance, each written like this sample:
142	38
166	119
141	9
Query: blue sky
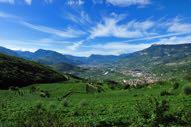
85	27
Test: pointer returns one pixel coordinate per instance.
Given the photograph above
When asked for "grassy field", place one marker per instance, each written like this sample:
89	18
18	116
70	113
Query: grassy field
157	105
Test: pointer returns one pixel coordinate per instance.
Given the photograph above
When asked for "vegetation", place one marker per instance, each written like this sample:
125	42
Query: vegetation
187	89
69	104
105	98
19	72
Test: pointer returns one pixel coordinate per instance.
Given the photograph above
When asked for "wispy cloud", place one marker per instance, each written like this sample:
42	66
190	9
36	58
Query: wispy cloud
67	33
175	40
7	16
74	46
116	48
111	27
75	3
29	2
109	48
13	1
178	26
159	36
33	45
80	18
7	1
125	3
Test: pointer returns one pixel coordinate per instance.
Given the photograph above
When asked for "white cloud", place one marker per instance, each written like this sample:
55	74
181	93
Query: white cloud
75	46
75	3
175	40
159	36
29	2
5	15
111	27
7	1
179	27
33	45
67	33
116	48
125	3
80	18
109	48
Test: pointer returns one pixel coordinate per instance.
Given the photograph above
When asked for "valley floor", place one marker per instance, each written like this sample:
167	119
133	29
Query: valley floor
46	105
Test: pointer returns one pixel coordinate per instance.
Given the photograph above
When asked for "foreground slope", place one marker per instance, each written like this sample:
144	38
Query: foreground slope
19	72
163	104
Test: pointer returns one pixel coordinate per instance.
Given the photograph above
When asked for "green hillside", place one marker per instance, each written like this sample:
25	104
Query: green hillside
166	61
19	72
70	104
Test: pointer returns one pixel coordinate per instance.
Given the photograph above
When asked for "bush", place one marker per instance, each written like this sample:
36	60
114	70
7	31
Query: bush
44	94
83	103
153	112
187	90
90	88
65	102
100	89
176	85
33	89
126	86
113	84
39	116
165	93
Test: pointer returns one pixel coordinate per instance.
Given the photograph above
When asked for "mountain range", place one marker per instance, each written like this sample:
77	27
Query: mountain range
159	60
51	57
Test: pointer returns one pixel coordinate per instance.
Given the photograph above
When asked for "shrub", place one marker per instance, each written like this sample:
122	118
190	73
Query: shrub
176	85
187	90
112	84
83	103
100	89
165	93
127	86
65	102
39	116
153	113
33	89
44	94
90	88
13	88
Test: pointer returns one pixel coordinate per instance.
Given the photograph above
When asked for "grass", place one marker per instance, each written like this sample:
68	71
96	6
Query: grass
112	107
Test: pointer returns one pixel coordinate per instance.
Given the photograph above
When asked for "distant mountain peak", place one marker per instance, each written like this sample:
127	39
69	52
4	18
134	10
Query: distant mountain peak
156	44
43	50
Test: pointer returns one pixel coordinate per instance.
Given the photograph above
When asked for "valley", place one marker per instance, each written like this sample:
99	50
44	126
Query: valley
158	62
95	63
151	87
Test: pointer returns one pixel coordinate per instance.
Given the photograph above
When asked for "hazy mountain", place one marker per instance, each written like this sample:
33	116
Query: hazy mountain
49	57
158	59
8	51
